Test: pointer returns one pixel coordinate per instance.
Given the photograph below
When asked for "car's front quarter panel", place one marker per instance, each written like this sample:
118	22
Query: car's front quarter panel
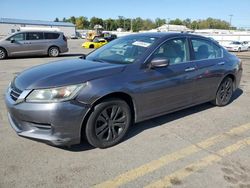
55	123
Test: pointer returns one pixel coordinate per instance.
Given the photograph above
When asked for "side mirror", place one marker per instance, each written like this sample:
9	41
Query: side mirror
12	40
83	56
159	62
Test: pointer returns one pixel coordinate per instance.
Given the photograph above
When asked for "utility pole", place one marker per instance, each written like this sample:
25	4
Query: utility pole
168	22
131	25
124	19
230	20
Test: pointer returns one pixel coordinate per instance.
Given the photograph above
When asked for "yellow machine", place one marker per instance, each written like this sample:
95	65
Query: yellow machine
98	29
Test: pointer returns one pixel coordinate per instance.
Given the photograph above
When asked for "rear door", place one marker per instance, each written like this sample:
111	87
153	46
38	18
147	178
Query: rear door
167	88
208	58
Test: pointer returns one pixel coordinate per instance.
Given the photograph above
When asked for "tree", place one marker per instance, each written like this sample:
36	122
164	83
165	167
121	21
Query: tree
56	20
64	19
72	19
137	24
159	22
95	21
187	22
82	22
110	24
177	21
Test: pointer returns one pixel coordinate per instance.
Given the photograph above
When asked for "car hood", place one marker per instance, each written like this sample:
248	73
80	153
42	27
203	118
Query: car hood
64	72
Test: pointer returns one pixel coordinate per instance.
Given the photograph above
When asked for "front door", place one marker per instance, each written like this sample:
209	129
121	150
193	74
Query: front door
167	88
16	45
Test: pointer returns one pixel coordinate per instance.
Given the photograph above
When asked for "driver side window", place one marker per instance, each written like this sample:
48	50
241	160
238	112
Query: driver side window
175	50
17	37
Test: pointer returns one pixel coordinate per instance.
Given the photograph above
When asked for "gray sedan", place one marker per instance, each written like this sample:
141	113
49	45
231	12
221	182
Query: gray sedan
131	79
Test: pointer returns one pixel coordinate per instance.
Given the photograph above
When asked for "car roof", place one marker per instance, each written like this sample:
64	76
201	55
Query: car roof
38	31
169	34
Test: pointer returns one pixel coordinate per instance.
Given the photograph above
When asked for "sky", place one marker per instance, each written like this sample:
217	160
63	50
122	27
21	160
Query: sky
194	9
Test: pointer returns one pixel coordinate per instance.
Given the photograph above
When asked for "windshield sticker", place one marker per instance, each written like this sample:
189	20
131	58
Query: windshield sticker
142	44
129	60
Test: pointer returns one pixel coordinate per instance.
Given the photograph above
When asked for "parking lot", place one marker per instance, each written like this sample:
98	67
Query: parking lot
203	146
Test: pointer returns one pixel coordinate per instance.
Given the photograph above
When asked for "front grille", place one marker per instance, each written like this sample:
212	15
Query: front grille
14	94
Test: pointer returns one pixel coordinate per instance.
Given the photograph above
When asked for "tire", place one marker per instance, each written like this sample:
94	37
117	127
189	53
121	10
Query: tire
53	51
224	92
108	123
91	46
3	53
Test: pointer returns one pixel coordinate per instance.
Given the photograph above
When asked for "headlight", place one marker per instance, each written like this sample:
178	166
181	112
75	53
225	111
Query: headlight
54	94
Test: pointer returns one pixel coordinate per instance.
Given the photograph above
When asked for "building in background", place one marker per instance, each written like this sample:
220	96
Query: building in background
9	25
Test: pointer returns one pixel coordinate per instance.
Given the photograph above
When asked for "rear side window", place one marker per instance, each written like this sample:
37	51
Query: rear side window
51	35
34	36
204	49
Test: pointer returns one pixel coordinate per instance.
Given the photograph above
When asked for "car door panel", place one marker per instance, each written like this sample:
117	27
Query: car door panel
209	61
208	75
164	89
16	45
36	43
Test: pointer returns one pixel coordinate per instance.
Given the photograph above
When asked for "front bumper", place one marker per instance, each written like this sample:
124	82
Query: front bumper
53	123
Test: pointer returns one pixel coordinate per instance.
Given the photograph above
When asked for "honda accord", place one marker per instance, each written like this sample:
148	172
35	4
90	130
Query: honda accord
131	79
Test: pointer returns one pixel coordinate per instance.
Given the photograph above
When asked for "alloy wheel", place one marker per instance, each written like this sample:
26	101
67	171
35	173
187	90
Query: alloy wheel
110	123
2	54
225	91
54	52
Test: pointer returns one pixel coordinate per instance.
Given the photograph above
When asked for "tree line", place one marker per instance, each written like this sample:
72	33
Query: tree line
138	23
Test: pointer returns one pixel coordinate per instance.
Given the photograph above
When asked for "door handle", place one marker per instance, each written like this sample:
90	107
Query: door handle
221	63
189	69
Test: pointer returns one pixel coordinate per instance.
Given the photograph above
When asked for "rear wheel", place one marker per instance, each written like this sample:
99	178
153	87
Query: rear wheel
3	53
91	46
224	93
108	123
53	51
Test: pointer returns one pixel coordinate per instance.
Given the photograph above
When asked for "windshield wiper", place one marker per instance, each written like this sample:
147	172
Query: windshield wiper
99	60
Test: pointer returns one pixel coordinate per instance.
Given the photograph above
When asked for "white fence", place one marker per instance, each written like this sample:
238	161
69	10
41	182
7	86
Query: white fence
226	38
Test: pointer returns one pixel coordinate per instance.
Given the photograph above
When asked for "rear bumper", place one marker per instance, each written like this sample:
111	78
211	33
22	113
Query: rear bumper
64	49
238	78
53	123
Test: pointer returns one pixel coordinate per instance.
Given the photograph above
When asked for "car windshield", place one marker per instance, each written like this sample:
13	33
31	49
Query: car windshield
98	39
124	50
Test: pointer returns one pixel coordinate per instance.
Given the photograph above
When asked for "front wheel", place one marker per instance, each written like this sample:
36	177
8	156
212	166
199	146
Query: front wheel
108	123
224	93
53	52
3	54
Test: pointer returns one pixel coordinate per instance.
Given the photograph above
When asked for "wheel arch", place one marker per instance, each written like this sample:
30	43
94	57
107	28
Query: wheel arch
7	53
53	46
115	95
230	75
